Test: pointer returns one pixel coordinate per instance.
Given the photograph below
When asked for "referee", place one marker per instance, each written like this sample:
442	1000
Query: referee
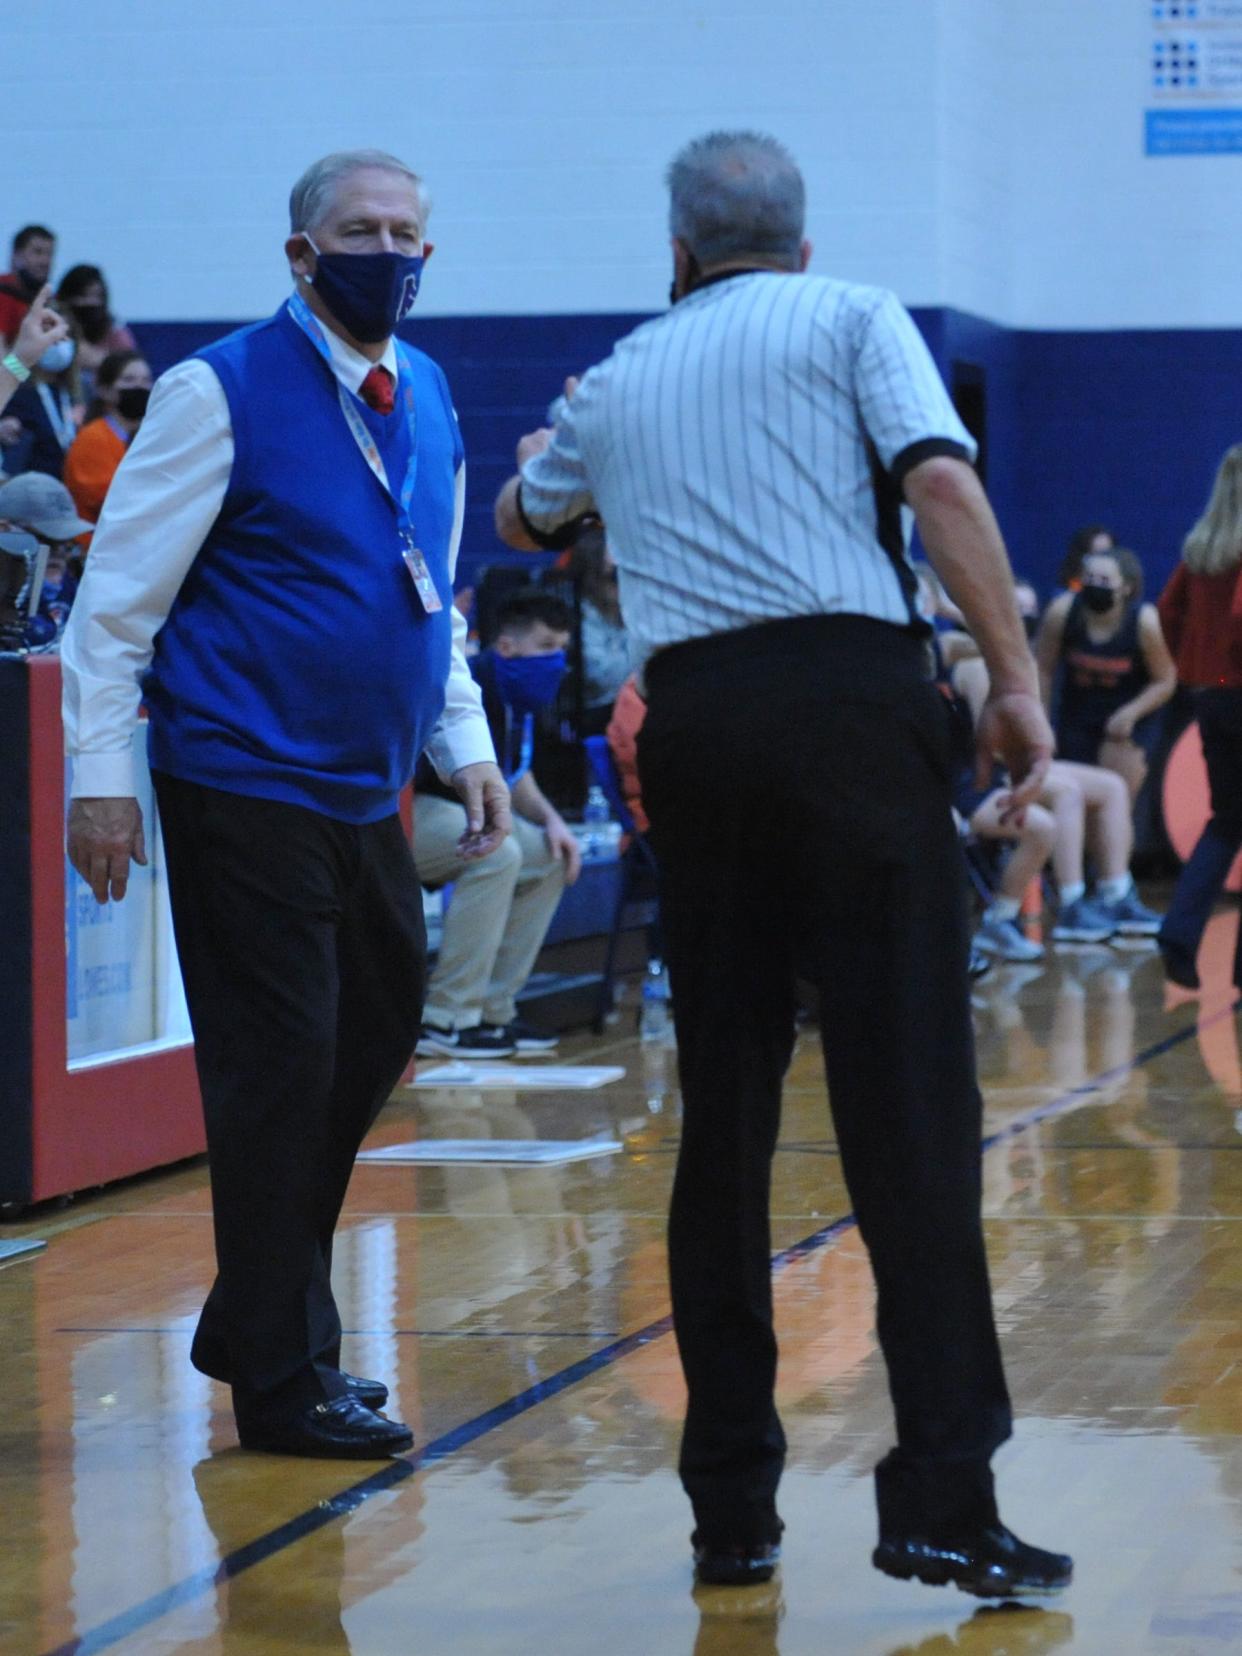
750	452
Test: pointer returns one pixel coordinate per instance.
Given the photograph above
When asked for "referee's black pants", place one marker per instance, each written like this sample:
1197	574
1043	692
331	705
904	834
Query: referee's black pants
797	779
303	954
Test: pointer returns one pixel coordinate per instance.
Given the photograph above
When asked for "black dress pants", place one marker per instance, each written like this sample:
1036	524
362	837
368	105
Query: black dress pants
303	953
797	779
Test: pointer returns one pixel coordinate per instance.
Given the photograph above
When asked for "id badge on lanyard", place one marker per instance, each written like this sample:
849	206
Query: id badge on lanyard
411	556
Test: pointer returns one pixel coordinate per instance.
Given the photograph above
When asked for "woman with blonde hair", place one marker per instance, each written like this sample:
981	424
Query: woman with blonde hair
1201	612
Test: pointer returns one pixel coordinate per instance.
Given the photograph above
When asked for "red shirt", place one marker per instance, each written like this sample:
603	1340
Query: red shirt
1202	620
12	307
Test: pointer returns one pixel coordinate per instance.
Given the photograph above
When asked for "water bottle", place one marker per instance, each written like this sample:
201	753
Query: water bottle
655	1021
595	820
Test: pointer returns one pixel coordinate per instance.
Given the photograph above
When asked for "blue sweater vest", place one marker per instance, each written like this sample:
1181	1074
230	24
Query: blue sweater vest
297	662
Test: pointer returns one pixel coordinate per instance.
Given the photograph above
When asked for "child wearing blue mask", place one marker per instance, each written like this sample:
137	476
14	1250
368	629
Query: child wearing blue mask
502	904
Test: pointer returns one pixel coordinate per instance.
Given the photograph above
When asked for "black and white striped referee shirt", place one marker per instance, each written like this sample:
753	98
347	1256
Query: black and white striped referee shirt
746	452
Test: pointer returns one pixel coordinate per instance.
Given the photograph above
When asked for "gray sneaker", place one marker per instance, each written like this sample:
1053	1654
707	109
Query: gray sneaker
1006	940
1130	917
1083	922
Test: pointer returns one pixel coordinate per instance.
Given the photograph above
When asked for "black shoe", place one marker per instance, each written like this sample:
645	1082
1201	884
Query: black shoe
340	1430
1179	965
990	1562
372	1394
434	1042
717	1565
524	1037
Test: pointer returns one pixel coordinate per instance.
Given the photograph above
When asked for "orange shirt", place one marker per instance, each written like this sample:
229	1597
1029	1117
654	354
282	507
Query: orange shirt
629	711
91	464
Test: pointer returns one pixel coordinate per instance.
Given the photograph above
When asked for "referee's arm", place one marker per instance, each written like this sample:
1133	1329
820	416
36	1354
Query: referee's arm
964	545
548	503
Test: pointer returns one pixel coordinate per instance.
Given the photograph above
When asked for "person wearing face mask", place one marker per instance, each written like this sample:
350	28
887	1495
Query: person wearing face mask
1106	647
83	295
502	905
41	506
46	410
122	391
273	576
34	247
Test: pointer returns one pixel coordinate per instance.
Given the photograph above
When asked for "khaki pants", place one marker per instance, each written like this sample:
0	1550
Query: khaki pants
500	911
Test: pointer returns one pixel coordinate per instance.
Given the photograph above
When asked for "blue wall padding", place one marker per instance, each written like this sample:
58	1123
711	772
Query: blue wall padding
1124	428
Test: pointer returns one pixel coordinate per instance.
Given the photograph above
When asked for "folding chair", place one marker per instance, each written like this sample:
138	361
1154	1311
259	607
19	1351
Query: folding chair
638	870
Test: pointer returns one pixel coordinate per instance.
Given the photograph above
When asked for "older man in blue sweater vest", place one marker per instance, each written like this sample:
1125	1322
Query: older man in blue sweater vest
273	575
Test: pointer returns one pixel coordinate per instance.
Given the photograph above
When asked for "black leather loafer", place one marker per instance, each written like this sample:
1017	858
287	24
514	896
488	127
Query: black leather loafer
717	1565
990	1562
342	1429
372	1394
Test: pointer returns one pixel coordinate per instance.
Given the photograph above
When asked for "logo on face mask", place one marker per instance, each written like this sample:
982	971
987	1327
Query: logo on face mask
368	293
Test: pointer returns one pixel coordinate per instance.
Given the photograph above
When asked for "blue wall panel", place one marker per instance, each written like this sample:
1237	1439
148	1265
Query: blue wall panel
1124	428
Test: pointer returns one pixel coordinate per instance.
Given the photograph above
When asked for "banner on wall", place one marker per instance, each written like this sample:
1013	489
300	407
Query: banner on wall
1194	77
123	981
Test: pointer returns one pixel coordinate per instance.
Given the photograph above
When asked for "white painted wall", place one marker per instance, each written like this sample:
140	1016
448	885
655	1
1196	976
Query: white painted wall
980	153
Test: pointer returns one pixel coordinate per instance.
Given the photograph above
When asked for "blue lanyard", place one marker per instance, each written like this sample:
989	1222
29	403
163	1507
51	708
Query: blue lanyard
526	748
306	319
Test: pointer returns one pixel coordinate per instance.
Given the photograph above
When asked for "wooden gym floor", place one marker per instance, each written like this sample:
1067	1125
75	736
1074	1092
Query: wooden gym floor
520	1315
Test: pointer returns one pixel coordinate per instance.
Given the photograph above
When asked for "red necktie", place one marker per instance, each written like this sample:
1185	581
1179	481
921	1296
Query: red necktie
376	390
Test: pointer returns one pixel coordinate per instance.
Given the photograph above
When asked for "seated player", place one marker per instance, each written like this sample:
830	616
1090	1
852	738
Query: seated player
1082	808
502	904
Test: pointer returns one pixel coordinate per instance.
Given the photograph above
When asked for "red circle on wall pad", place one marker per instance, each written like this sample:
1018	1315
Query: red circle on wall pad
1186	800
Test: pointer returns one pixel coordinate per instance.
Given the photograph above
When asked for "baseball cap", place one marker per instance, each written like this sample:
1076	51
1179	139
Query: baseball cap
43	504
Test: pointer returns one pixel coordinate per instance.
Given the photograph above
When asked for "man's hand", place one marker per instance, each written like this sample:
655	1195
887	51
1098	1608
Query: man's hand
564	843
41	327
1014	728
486	798
533	443
1120	727
104	834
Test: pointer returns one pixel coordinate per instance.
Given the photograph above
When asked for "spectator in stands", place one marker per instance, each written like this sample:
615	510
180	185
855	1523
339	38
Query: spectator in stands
607	659
1115	669
41	507
33	249
40	328
1201	612
1092	537
45	413
122	388
503	903
83	295
1028	605
1080	808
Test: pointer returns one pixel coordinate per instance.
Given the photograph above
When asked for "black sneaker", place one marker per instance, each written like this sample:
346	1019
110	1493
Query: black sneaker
989	1561
524	1037
483	1042
720	1564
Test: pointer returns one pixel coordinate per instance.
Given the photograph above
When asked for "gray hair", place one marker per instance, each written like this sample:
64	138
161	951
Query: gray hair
737	193
311	198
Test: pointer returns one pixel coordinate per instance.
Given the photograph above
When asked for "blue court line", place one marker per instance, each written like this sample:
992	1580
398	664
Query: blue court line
110	1633
406	1333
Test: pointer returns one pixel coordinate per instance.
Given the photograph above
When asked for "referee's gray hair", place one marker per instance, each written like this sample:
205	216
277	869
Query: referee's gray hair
735	193
311	198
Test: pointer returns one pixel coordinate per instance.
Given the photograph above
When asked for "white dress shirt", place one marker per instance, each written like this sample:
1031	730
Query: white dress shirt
159	511
745	451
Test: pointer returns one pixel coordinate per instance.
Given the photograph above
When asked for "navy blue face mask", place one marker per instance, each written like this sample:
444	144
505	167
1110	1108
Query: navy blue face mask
527	683
368	293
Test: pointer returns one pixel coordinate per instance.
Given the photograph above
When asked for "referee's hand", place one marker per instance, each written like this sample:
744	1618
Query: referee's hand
1014	728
